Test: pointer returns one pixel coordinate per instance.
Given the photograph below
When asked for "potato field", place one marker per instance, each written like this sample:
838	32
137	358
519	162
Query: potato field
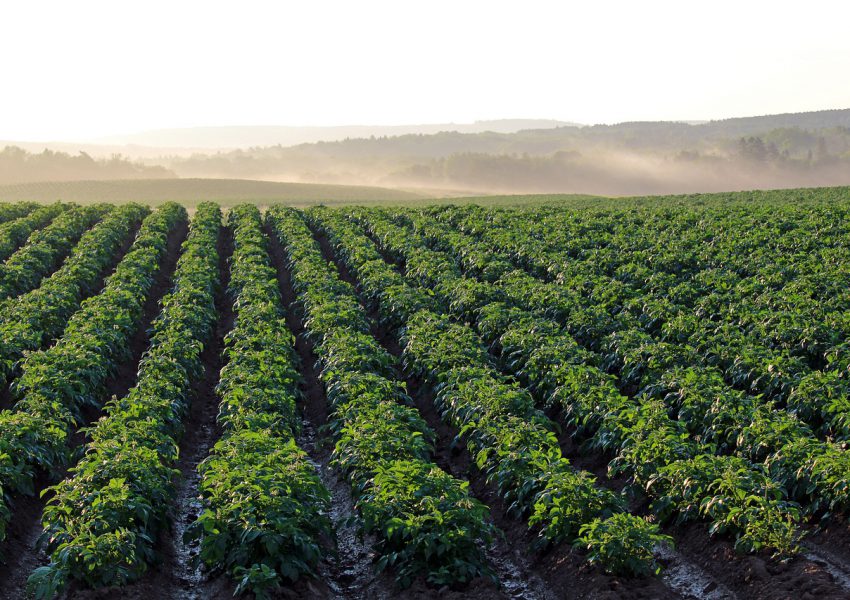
637	398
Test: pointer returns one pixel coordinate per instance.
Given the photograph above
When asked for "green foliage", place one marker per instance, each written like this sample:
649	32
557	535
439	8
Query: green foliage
623	544
265	519
511	441
57	383
101	523
266	508
14	233
45	248
428	523
49	306
702	347
425	521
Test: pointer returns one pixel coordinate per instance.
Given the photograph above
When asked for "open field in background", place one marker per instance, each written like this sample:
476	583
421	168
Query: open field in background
189	192
230	192
774	151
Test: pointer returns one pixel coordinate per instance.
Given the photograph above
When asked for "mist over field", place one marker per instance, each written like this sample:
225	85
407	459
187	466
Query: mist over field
495	157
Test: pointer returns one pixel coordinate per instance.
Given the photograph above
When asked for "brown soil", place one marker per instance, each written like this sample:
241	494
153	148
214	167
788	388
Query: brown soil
756	576
834	534
6	400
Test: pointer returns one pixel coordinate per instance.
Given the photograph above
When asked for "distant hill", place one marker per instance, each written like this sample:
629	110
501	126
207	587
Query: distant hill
821	119
502	157
248	136
646	133
17	165
774	151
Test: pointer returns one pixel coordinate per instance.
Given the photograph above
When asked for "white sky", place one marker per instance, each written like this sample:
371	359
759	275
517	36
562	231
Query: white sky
83	69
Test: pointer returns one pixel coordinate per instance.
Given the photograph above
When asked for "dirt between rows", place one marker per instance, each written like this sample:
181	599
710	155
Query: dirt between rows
755	576
560	572
350	574
176	576
19	550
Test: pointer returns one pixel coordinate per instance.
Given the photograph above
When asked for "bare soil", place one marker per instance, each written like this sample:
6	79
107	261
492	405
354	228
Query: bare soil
351	574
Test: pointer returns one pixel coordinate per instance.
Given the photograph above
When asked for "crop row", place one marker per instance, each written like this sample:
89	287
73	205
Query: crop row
511	441
11	211
48	307
101	524
57	383
720	418
626	426
14	233
425	521
45	249
775	323
266	510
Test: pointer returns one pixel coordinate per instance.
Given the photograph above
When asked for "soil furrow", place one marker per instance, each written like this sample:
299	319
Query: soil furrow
351	574
523	574
706	556
25	529
186	579
6	399
176	576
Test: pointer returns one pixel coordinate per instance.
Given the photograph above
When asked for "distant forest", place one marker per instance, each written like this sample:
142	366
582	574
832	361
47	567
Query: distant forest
19	166
806	149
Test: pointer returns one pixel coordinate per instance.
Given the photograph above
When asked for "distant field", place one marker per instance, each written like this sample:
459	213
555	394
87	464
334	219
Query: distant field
816	195
189	192
229	192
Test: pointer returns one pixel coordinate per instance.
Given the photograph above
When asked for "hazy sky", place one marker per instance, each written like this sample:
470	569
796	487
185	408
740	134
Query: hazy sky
82	69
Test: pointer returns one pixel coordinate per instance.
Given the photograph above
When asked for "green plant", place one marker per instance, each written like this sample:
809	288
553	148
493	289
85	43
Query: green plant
623	544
